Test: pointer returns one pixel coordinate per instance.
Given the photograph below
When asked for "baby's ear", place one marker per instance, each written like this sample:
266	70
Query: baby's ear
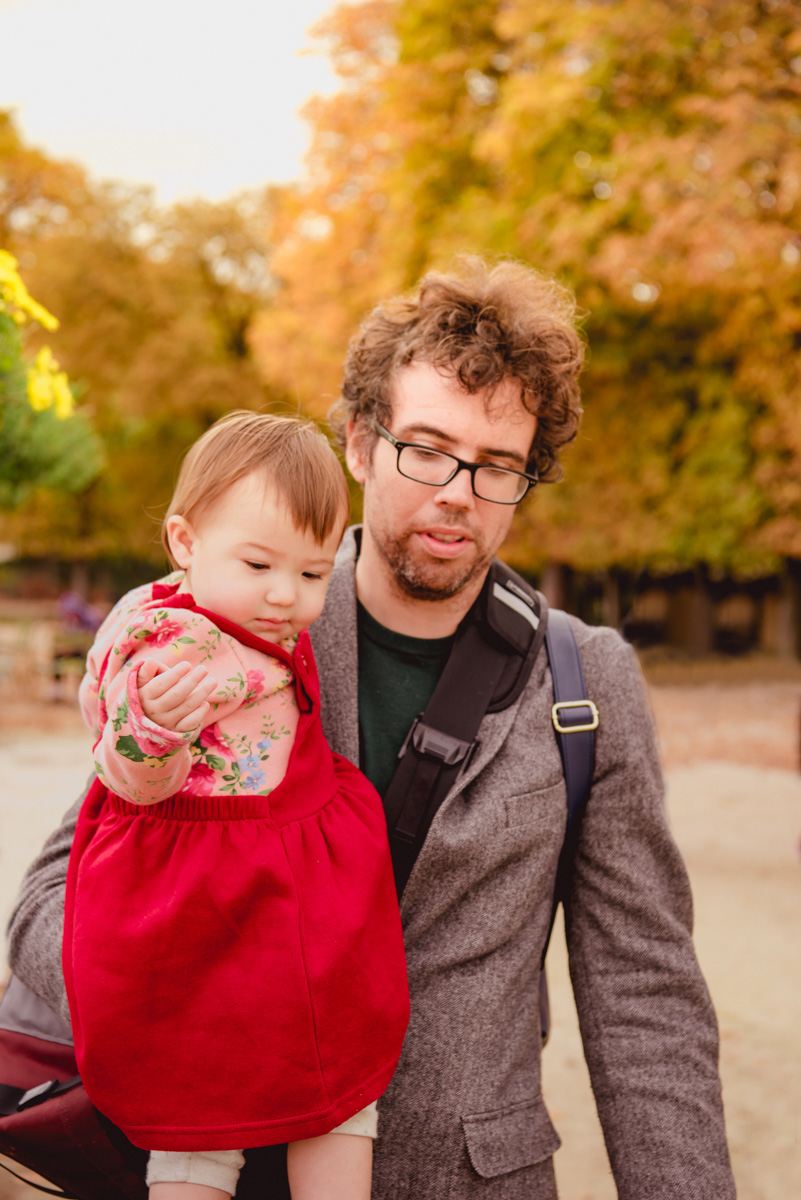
181	537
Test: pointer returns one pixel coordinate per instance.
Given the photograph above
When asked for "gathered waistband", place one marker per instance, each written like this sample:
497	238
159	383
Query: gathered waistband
185	806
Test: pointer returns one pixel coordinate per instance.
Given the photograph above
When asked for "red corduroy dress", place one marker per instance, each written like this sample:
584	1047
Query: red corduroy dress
234	964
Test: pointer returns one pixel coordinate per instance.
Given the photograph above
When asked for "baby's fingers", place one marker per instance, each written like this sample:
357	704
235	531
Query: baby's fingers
170	701
195	719
157	685
148	670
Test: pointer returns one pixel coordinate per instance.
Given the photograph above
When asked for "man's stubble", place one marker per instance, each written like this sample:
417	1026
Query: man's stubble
428	581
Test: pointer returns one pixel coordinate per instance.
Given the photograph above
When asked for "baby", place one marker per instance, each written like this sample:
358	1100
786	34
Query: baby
233	951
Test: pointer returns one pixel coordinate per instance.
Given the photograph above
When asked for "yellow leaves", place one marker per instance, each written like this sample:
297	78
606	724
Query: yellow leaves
48	387
15	298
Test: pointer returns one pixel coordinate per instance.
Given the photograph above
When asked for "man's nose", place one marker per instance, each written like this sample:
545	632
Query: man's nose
458	492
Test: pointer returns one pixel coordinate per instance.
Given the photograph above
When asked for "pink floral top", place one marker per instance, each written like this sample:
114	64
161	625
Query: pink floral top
245	748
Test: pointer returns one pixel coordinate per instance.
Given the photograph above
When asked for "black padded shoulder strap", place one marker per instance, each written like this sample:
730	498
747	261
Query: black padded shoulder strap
492	657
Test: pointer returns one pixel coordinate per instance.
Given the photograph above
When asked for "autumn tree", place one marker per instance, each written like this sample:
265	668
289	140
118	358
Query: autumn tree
648	154
156	306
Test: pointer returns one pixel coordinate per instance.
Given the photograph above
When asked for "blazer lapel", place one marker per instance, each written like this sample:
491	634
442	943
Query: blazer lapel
335	645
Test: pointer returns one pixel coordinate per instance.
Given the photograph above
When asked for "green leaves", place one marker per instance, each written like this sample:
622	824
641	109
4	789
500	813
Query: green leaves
37	449
128	748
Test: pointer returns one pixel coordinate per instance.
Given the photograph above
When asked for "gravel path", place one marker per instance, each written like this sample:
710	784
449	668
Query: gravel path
734	799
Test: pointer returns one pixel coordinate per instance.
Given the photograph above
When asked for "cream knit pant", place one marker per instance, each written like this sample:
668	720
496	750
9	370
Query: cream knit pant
220	1168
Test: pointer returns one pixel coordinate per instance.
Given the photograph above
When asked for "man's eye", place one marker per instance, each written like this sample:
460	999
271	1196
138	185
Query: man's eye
422	454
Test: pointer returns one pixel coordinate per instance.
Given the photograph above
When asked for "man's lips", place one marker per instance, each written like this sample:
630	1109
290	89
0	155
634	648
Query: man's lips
444	543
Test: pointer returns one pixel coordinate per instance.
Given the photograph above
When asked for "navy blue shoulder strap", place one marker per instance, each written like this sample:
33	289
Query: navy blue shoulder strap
575	719
574	716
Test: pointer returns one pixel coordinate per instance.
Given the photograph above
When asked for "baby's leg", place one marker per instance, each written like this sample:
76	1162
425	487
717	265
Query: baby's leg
337	1166
199	1175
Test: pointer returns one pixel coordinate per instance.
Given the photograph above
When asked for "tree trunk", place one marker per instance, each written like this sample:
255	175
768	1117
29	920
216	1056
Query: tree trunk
690	625
777	632
610	605
554	585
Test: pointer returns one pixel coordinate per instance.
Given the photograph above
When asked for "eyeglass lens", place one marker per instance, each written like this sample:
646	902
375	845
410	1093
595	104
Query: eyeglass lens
436	468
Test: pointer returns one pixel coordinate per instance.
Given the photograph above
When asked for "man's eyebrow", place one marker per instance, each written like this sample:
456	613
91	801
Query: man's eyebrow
412	431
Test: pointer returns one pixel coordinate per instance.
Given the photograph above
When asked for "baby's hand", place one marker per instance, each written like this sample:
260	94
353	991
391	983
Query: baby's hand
175	697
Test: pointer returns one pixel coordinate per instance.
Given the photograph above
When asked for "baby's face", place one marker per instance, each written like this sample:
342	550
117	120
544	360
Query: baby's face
246	560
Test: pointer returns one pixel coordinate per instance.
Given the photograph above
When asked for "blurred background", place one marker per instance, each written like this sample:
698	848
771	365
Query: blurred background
647	152
203	247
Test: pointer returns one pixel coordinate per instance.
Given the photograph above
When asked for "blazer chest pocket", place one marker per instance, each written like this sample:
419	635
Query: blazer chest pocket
545	809
510	1138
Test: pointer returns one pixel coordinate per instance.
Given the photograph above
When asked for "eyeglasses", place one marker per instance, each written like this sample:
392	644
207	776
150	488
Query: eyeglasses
500	485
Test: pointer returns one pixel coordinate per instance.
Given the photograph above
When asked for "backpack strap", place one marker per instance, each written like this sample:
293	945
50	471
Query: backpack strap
17	1099
575	719
490	662
574	716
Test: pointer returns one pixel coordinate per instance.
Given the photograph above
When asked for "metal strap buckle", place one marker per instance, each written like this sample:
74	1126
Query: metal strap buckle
590	725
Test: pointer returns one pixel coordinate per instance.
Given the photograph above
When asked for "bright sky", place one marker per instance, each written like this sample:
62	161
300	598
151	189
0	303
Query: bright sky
192	96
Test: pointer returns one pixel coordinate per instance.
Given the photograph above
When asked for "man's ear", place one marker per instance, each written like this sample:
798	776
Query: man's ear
358	451
181	537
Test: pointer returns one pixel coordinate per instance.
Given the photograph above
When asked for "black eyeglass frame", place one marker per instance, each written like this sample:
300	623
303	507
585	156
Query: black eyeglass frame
461	465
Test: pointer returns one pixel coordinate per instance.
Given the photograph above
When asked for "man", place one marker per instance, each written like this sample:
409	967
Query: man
454	400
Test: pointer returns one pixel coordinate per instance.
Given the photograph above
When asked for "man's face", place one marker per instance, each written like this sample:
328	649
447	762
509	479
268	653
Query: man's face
435	541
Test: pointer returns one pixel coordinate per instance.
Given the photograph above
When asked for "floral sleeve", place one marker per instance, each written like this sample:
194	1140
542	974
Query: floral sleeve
135	757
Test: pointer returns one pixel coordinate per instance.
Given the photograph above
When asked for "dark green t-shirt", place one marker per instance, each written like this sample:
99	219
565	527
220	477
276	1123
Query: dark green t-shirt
397	675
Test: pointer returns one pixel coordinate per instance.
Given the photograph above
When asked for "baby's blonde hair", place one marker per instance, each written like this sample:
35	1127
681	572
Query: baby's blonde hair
293	456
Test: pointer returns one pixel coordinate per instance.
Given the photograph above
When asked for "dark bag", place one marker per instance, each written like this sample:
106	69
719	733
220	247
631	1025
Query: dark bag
46	1120
58	1133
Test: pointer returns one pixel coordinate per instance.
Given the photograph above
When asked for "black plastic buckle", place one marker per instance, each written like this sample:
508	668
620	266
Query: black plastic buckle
434	743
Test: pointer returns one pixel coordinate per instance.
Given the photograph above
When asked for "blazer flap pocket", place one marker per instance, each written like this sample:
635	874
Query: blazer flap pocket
544	809
510	1138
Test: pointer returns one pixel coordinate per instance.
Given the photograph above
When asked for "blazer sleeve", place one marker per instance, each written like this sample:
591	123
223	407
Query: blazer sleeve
36	926
647	1023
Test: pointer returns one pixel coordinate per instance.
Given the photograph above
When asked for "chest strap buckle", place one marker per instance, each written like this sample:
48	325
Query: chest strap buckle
433	743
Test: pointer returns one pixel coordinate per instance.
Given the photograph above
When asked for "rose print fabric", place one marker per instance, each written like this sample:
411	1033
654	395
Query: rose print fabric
245	748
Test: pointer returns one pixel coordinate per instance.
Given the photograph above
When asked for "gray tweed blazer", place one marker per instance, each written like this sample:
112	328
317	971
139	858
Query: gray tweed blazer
464	1115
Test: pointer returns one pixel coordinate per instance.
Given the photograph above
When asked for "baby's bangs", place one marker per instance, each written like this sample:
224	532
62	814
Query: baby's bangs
309	478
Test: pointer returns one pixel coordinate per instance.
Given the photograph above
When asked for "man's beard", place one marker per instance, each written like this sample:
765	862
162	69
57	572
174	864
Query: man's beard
428	581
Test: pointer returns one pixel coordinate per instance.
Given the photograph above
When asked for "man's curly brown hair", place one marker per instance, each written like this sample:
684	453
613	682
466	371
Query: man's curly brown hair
483	324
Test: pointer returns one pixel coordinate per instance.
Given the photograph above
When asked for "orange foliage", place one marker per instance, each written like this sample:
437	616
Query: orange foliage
648	152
